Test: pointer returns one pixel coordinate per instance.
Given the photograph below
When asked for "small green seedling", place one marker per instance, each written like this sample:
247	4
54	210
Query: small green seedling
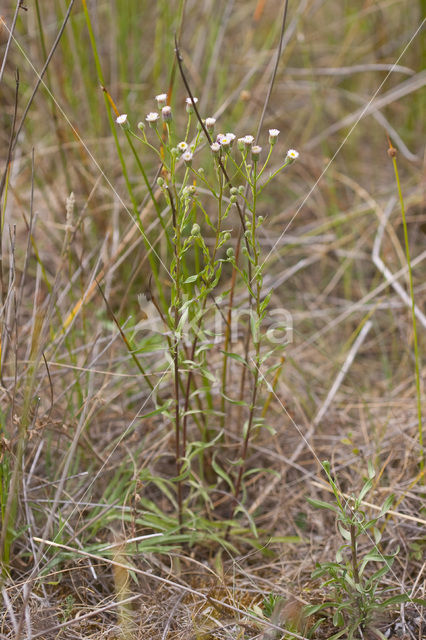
356	595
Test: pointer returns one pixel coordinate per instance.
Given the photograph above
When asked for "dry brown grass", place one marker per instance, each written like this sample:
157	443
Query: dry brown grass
79	404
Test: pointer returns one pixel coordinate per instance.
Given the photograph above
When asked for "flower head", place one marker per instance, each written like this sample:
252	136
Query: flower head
166	114
187	158
190	104
273	135
292	155
161	100
122	119
248	141
152	118
224	140
210	122
182	146
255	152
215	147
231	138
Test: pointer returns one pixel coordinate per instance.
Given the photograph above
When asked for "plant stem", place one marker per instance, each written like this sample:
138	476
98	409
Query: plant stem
354	554
176	302
392	154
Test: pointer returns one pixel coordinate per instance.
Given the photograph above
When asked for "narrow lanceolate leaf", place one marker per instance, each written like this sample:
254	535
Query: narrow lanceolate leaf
320	504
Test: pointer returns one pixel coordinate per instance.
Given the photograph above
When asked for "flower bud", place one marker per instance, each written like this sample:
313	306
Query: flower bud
210	122
166	114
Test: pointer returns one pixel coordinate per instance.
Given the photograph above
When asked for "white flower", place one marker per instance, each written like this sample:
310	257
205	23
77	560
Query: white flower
187	158
161	99
122	119
210	122
225	141
255	151
182	146
190	104
248	141
292	154
231	138
152	118
215	147
273	135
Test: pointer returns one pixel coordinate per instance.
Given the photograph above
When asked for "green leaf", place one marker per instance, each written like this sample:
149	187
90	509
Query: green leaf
366	488
338	619
377	535
314	608
346	535
402	597
320	504
287	539
386	505
192	279
222	474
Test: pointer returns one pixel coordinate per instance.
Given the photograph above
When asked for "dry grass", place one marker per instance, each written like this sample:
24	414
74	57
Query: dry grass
72	398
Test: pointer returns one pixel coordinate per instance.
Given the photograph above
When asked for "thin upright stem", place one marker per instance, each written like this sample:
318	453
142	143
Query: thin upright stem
392	154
